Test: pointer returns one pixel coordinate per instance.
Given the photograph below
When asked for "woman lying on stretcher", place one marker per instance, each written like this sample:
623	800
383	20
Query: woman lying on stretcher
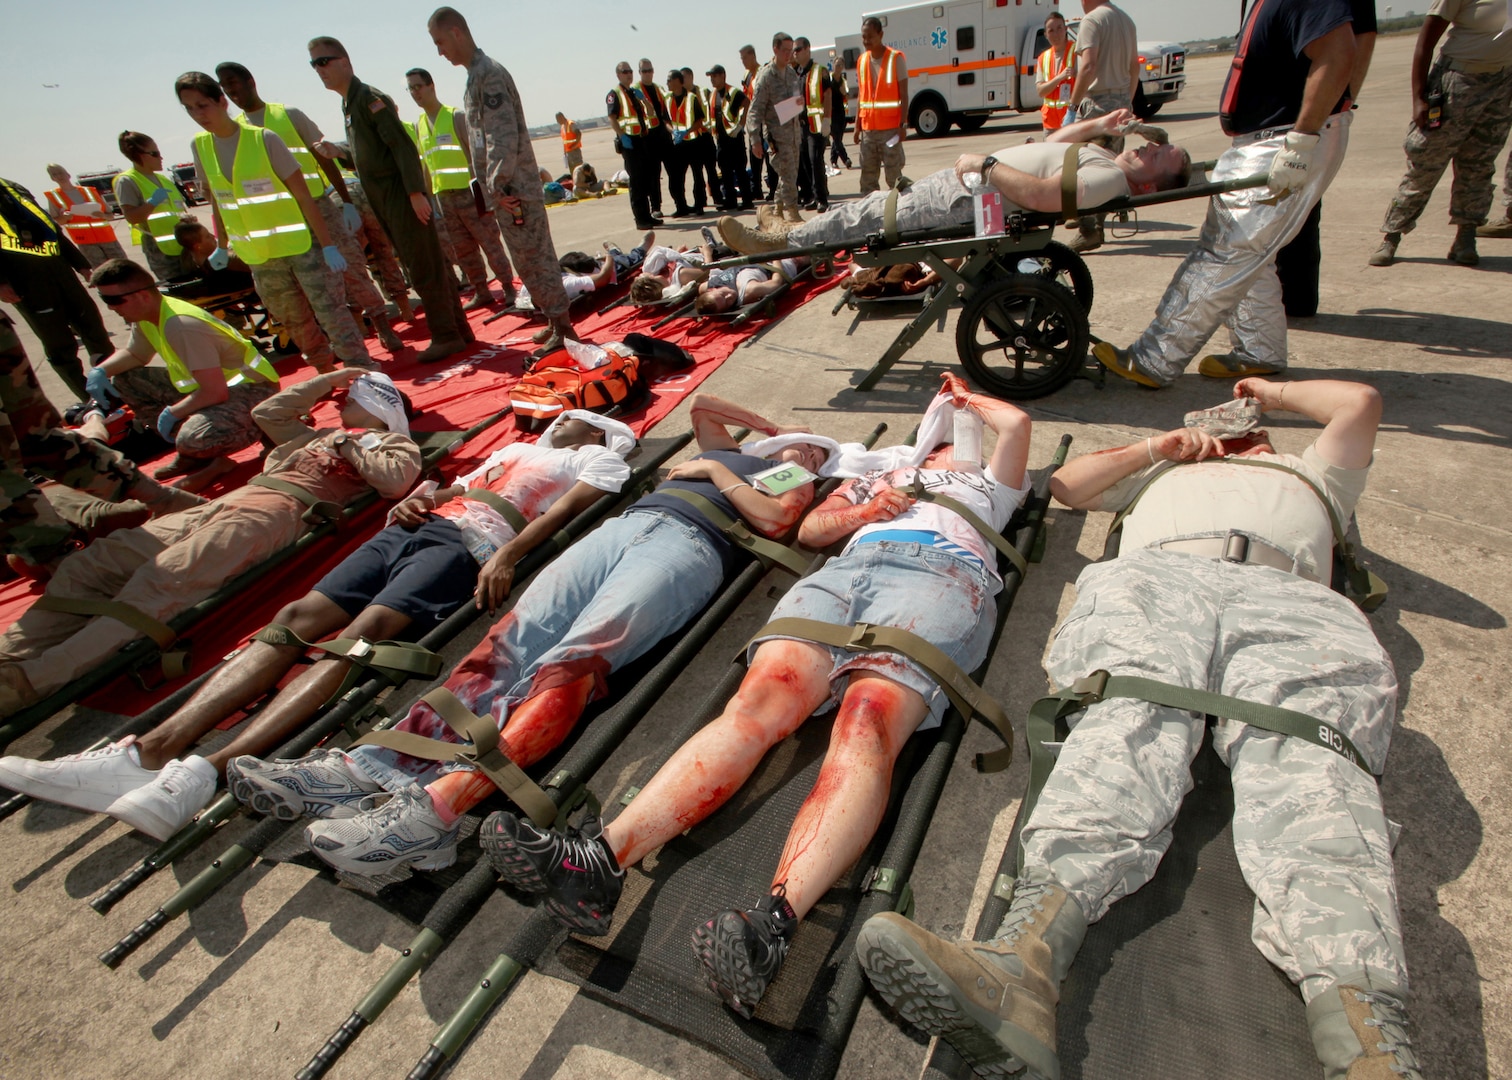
912	565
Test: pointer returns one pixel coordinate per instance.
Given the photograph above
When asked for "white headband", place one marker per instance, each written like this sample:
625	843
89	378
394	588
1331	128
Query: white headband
617	436
376	392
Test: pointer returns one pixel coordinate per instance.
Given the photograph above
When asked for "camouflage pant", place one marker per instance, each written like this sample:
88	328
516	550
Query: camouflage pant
1477	115
212	432
360	289
1100	104
876	156
785	145
535	257
380	247
1309	831
99	253
309	298
466	232
162	267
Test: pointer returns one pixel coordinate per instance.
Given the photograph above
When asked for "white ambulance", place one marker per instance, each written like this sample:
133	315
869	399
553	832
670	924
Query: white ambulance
969	59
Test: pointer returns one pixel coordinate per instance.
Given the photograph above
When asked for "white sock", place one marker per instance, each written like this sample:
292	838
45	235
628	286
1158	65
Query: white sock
201	766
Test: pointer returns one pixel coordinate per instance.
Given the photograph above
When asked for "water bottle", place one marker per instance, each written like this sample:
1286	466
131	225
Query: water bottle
968	441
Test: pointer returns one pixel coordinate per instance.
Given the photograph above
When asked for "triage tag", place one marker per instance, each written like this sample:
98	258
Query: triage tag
782	479
987	207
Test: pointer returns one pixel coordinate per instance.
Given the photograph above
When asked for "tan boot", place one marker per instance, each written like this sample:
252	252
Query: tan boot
160	498
386	336
404	308
1500	229
748	241
767	215
790	213
994	1001
1463	251
559	332
1361	1034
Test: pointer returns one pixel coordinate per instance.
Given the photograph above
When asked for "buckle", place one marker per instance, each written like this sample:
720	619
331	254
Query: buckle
1236	548
1089	688
860	637
361	649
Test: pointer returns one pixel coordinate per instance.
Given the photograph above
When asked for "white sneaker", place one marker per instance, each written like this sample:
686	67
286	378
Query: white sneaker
91	781
404	831
180	790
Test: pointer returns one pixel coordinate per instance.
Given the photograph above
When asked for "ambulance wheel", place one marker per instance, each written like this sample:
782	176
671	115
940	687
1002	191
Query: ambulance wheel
930	117
969	122
1054	262
1022	337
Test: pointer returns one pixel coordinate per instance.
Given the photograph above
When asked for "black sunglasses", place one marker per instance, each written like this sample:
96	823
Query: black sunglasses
322	61
117	299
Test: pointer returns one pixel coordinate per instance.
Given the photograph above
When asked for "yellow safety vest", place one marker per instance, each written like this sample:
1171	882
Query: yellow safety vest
629	119
11	238
813	97
253	363
263	221
276	119
653	96
443	157
730	122
164	216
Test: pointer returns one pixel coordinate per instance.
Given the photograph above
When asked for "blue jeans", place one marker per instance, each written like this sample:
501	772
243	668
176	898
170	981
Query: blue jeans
606	601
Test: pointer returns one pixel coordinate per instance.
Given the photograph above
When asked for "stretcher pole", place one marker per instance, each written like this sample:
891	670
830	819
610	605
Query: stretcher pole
349	710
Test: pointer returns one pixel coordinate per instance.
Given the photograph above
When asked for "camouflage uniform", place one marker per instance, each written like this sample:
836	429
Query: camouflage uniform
309	298
505	164
1477	115
877	157
466	232
784	141
360	289
380	249
1310	834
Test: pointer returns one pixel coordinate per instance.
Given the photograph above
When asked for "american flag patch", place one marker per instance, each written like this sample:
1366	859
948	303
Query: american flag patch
377	105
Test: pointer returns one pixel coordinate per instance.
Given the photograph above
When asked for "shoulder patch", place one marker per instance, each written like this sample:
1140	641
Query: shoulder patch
610	98
493	101
377	105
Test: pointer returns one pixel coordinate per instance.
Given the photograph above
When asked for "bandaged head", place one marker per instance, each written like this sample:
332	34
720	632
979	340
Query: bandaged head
376	392
1226	421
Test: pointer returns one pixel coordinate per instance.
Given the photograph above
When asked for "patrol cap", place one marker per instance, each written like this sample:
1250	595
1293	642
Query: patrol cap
717	69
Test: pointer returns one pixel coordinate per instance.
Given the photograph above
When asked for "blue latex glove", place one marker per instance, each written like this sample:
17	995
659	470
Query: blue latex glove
158	197
219	258
166	423
351	217
333	258
98	385
627	142
677	138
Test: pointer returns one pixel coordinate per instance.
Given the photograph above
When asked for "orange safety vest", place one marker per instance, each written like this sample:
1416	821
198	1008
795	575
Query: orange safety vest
84	230
652	96
813	97
682	116
1053	110
881	106
571	139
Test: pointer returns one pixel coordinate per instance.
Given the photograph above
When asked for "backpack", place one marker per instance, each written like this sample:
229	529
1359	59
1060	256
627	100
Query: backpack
545	392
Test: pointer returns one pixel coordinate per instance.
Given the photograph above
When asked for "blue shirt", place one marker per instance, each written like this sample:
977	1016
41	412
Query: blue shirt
1266	90
742	465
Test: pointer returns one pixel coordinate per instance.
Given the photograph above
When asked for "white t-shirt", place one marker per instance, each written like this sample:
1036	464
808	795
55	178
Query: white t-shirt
660	257
1098	177
531	479
576	285
1214	497
993	502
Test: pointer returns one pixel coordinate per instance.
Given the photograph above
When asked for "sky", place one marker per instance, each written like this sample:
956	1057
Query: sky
70	92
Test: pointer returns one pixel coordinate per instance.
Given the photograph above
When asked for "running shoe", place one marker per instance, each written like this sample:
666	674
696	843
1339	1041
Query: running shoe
318	785
576	870
403	831
742	951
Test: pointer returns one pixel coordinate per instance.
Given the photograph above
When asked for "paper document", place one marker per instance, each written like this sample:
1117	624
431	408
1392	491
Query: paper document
788	108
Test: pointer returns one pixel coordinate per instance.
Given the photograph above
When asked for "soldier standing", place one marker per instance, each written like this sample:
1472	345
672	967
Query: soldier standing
150	202
816	127
775	114
507	169
388	164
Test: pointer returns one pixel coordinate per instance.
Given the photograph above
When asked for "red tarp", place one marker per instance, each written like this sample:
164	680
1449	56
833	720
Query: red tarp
452	396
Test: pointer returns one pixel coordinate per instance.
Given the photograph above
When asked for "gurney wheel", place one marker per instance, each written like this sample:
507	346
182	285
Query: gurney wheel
1065	267
1022	337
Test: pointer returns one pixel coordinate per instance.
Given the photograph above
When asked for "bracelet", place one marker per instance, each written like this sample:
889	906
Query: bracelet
1281	397
1150	448
732	487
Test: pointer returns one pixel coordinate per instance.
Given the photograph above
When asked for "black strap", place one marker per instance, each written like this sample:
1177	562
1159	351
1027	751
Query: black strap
768	551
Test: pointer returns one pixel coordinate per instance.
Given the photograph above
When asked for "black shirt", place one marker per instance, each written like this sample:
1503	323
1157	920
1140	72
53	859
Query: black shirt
1266	90
742	465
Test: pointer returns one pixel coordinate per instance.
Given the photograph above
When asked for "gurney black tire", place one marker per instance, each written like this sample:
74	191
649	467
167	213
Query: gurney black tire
1022	337
1066	268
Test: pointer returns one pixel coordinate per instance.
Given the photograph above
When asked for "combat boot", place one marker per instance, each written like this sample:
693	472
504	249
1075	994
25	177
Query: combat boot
1500	229
1361	1034
554	335
404	310
1463	250
748	241
386	336
1385	255
790	213
160	498
482	297
993	1001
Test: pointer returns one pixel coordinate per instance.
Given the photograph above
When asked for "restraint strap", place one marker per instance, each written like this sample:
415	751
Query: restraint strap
483	753
1069	165
317	511
1365	588
964	694
916	490
768	551
890	216
175	663
505	508
395	661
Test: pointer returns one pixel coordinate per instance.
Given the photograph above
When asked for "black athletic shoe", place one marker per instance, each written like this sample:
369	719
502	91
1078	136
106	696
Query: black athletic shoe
575	870
741	951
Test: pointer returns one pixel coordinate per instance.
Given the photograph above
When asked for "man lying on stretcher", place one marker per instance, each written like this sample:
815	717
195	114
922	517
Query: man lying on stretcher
610	597
1029	176
914	565
441	549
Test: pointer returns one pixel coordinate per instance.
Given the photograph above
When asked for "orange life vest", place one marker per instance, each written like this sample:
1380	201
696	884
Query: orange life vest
572	139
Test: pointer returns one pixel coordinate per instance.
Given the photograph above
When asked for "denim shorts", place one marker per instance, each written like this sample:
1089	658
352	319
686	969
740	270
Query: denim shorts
946	600
424	572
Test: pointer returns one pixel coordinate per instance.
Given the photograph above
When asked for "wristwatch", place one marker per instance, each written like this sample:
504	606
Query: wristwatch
987	165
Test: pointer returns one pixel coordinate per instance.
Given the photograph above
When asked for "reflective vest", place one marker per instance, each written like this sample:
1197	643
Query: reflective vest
276	119
262	219
813	97
164	216
652	97
443	157
730	121
881	106
84	230
252	361
27	237
1053	110
682	115
629	116
572	139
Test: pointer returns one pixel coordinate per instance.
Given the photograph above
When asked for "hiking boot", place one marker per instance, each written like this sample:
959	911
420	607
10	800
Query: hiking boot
1385	255
748	241
481	298
742	951
180	465
180	790
1500	229
1121	363
404	831
160	498
104	518
1463	249
208	473
1229	366
438	351
318	785
1087	240
90	781
557	334
1361	1034
578	874
993	1001
790	213
386	336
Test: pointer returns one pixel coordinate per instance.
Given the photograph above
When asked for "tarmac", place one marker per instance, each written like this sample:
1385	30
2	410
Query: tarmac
252	983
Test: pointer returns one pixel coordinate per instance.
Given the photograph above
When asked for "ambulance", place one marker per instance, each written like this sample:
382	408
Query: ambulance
969	59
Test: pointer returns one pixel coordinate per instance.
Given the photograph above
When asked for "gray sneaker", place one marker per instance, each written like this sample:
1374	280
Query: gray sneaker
404	831
318	785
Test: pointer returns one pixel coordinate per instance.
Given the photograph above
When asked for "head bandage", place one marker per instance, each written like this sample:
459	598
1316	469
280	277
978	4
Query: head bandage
617	436
1226	421
376	393
854	459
